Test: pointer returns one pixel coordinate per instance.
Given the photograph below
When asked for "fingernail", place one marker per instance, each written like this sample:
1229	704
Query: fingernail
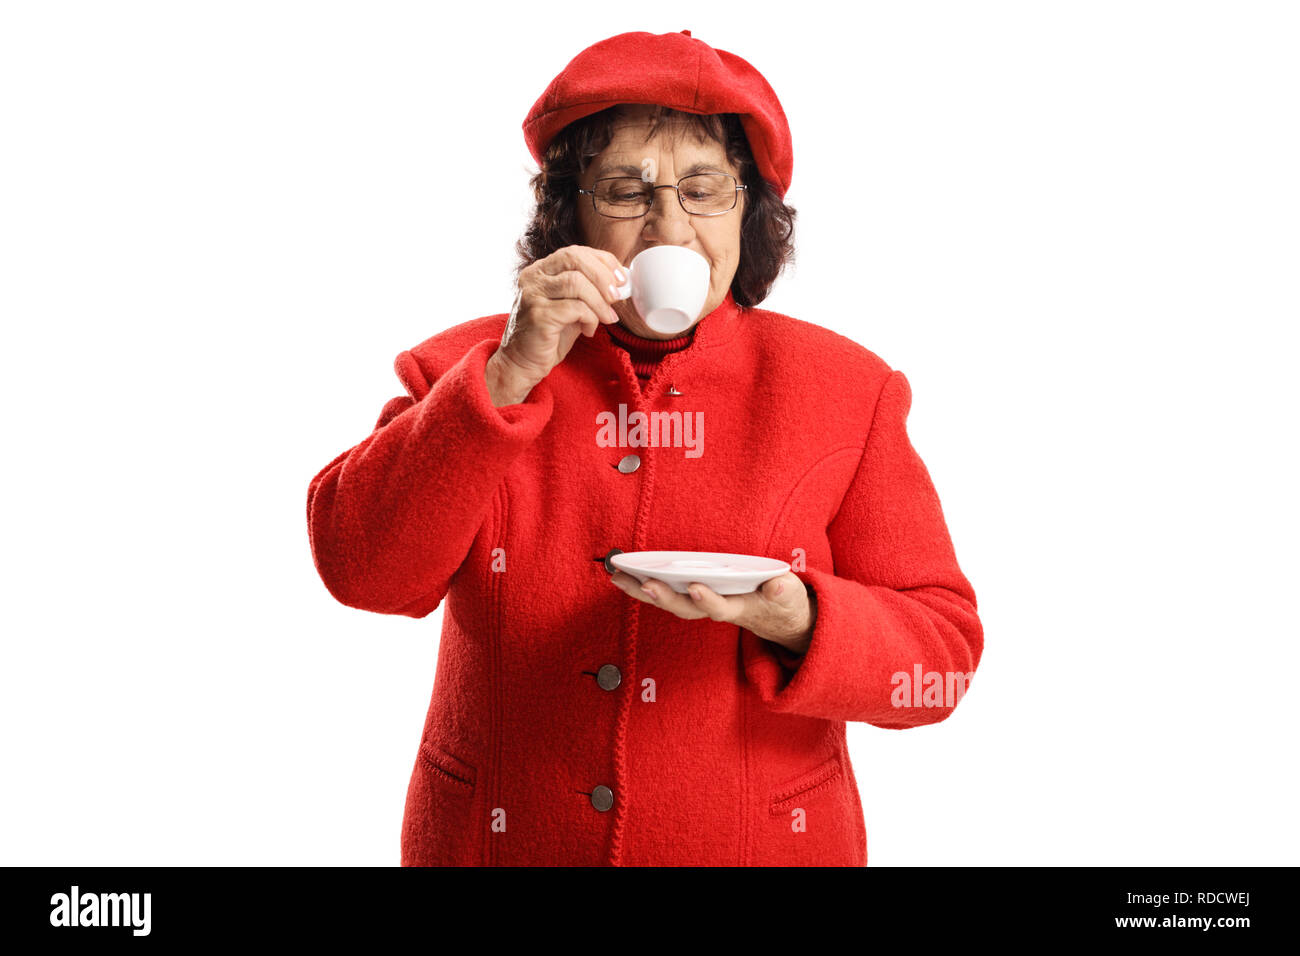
695	593
779	588
612	291
620	275
650	591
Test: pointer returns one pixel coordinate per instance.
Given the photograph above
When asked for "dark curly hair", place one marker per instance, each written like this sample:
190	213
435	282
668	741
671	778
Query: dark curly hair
766	229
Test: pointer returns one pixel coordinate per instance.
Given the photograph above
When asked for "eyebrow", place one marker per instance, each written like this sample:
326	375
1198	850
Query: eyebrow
636	170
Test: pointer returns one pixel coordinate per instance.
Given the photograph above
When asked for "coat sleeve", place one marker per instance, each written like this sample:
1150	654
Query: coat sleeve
392	519
896	604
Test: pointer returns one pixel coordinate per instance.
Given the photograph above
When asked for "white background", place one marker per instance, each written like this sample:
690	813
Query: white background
1072	225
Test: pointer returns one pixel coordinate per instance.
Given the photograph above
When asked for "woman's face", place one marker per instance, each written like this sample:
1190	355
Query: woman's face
673	152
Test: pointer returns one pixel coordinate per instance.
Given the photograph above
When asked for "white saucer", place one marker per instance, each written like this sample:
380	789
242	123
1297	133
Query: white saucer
724	573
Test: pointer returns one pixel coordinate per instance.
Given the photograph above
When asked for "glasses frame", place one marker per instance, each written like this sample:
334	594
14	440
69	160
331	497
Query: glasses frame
677	189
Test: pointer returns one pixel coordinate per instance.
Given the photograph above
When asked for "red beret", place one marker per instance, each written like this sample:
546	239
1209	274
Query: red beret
668	69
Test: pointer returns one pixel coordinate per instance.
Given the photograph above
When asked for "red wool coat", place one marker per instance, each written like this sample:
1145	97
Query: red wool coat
573	724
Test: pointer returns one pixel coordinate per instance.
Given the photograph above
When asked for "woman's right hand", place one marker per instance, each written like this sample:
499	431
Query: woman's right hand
564	295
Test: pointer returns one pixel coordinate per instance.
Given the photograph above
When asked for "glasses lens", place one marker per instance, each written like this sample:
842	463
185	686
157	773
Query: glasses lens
623	197
708	193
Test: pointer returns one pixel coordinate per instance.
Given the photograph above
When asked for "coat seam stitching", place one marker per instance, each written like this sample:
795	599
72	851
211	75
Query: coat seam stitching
750	817
800	481
875	412
494	762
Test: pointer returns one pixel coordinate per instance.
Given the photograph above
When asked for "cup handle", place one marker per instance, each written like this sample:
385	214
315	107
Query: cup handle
624	291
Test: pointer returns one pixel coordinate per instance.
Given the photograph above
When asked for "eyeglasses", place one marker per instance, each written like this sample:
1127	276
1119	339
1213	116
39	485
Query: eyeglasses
627	197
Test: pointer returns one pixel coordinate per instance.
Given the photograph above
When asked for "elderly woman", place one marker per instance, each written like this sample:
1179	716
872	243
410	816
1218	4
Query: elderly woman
577	716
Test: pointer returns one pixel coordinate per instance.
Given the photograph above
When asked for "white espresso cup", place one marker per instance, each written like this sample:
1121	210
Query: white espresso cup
668	286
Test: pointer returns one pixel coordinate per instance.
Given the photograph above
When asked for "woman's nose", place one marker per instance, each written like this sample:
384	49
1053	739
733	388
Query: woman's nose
666	217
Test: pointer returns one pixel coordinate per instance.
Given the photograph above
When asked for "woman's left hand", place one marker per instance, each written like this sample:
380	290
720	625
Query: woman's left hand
783	610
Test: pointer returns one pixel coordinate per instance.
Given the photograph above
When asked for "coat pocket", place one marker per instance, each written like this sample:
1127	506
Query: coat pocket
439	824
811	820
805	787
446	769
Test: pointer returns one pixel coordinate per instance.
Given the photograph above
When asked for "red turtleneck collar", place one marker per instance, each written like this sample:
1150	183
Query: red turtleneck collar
646	353
714	329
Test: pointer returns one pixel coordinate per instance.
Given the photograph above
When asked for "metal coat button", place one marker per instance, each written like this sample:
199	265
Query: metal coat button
602	798
629	464
609	677
609	554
